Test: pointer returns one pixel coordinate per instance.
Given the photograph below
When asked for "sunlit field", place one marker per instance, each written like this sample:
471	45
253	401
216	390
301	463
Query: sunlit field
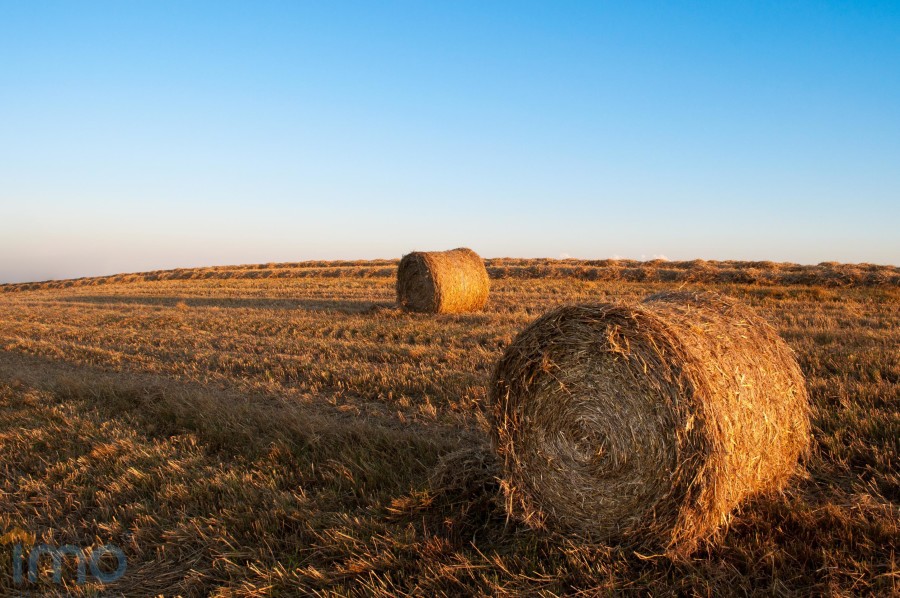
284	429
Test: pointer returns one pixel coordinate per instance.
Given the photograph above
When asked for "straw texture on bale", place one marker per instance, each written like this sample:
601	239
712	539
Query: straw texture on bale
647	424
452	281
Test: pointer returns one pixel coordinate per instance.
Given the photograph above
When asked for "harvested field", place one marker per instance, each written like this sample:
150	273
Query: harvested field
285	429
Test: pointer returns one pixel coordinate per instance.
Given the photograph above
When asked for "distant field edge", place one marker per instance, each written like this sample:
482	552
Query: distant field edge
829	274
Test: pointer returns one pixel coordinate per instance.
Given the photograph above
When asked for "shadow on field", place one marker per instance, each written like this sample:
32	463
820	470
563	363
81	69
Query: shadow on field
336	305
374	450
218	475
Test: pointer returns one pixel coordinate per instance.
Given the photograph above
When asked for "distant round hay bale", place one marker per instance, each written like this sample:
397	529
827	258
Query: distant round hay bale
646	424
452	281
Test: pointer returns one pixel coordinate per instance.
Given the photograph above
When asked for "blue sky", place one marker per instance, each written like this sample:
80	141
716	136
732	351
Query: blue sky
143	135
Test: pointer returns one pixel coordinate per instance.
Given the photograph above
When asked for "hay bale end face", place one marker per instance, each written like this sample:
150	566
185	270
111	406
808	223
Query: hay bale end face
454	281
646	424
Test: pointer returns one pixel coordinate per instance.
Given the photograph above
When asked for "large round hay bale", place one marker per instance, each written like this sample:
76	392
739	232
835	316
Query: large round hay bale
452	281
646	424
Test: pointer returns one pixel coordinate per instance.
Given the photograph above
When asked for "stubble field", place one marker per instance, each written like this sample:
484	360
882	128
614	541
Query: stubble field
285	430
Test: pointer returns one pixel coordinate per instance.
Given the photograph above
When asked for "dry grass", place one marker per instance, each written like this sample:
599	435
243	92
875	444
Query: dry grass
442	282
299	435
646	424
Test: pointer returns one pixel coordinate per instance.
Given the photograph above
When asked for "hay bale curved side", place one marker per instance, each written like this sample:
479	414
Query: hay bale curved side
453	281
646	424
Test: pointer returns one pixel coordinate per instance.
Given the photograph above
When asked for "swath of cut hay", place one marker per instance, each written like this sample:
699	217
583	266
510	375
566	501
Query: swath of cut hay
646	425
453	281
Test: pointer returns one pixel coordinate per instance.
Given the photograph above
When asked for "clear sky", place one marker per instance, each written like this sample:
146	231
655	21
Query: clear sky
143	135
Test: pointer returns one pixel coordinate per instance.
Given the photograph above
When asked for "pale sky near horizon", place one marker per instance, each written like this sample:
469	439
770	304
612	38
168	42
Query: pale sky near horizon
148	135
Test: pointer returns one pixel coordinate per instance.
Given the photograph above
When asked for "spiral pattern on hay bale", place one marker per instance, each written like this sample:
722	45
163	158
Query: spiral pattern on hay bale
646	424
